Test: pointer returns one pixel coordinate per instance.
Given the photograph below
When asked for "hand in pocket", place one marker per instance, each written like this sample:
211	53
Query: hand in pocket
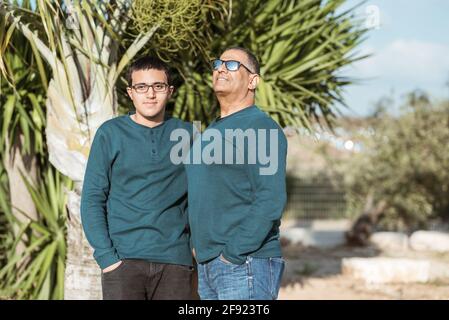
112	267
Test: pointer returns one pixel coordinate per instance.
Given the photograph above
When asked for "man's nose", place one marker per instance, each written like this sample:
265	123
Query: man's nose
222	68
151	93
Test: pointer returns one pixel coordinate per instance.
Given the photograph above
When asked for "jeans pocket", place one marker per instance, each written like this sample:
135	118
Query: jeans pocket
185	268
278	260
277	266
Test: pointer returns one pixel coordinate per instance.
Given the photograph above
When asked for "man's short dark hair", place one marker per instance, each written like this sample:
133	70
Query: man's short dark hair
253	62
146	63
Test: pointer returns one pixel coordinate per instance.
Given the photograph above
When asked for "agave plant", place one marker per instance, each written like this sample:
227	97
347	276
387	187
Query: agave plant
38	271
23	81
22	122
4	223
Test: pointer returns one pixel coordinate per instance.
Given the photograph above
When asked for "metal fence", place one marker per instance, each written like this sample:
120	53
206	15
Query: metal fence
318	198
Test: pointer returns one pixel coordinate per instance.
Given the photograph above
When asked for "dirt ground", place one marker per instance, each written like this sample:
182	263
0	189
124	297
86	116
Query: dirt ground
315	274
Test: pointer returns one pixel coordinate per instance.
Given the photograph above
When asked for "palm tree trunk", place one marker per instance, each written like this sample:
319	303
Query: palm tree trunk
82	275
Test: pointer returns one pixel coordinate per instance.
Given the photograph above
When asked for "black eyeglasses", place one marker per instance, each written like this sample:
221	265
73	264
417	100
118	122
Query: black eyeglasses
231	65
157	87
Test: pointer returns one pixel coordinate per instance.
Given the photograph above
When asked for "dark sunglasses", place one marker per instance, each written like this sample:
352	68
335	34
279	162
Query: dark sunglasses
231	65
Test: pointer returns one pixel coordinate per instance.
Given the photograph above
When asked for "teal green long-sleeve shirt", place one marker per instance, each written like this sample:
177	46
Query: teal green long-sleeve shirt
134	198
235	208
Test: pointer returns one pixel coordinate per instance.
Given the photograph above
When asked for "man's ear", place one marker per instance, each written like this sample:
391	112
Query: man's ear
254	82
129	90
171	90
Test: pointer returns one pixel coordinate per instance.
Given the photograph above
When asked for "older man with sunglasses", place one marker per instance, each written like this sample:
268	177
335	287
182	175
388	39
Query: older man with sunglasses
235	207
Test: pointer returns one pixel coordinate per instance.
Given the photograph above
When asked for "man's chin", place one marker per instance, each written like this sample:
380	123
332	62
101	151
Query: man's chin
151	115
220	91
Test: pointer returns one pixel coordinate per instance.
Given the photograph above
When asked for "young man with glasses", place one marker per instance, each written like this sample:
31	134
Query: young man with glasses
133	205
235	207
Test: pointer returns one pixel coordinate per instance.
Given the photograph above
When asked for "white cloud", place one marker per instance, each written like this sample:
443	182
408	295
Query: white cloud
407	61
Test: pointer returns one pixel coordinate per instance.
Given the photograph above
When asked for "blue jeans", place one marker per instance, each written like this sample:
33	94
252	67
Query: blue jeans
256	279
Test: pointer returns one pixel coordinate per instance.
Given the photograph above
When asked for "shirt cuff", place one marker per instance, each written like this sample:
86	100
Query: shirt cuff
235	259
107	260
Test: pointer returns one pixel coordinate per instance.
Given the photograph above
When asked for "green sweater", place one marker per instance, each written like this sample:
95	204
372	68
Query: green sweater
235	210
134	198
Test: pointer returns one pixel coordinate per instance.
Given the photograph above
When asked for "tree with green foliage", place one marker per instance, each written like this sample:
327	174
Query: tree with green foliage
32	195
400	178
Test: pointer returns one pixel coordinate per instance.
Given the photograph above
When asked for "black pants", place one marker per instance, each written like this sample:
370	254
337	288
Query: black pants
143	280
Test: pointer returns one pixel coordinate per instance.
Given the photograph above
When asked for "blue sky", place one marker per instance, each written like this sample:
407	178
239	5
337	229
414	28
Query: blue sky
410	51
